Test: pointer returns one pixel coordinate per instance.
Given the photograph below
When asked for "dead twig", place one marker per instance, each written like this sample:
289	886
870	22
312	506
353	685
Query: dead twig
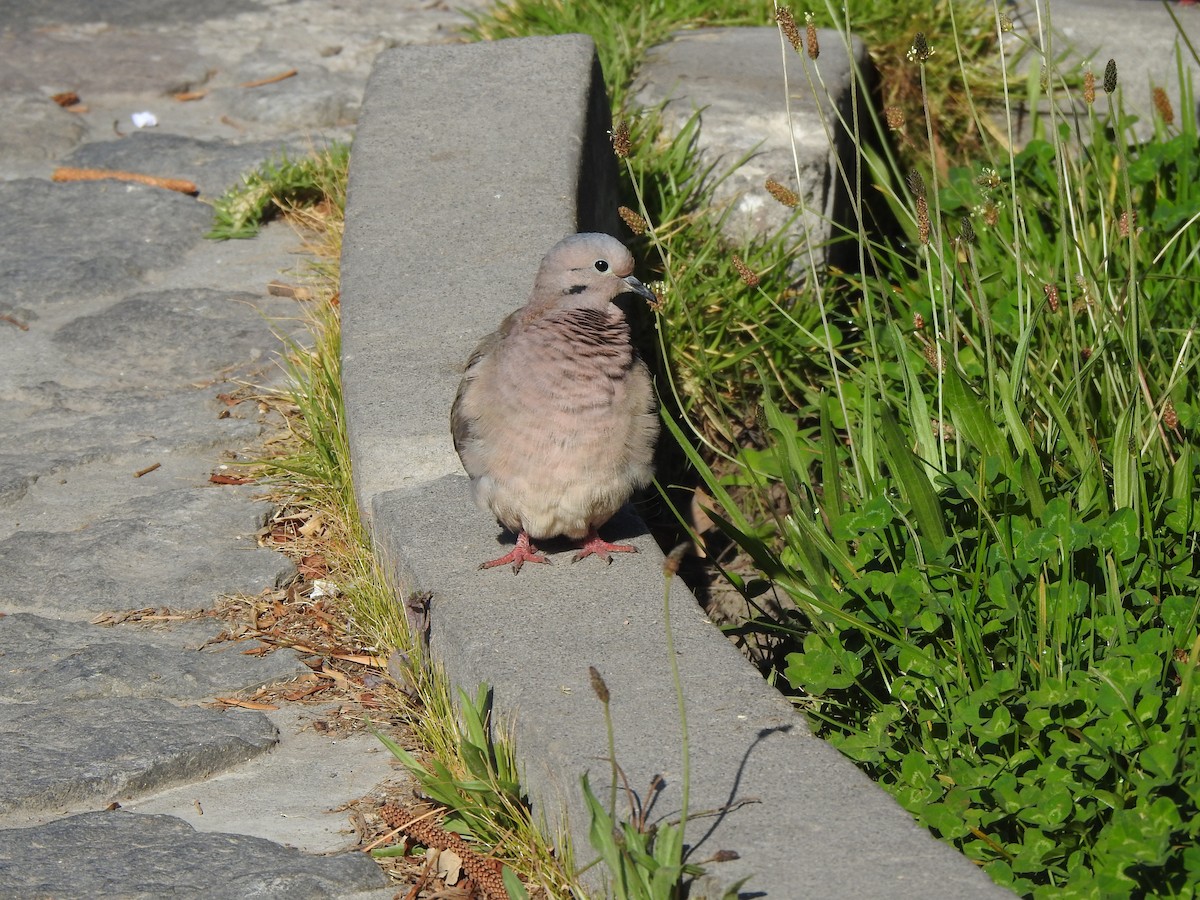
282	76
5	317
68	173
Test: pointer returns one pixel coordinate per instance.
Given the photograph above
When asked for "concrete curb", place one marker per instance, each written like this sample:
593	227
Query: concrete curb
470	162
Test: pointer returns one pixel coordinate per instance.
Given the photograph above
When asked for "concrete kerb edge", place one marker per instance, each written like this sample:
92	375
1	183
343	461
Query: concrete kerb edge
429	534
396	565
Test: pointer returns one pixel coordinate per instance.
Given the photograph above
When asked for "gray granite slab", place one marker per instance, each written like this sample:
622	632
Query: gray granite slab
181	548
121	330
74	661
137	857
59	242
61	755
168	337
732	78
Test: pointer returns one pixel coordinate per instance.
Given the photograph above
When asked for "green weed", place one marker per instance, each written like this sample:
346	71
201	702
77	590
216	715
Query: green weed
277	185
983	508
485	802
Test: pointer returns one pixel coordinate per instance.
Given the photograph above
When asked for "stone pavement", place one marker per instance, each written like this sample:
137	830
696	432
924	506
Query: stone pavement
119	327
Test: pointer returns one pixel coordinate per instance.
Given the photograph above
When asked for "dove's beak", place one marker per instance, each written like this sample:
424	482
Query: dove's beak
636	287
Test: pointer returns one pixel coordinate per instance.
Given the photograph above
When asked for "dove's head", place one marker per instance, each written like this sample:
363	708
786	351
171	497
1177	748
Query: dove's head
586	270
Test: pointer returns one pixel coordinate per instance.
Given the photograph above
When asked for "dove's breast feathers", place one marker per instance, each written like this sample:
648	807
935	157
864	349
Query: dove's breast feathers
571	435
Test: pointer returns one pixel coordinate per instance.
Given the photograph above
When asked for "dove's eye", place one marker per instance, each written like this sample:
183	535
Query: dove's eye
602	265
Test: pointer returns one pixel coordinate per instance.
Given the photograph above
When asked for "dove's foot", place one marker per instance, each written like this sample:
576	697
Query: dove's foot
594	545
519	555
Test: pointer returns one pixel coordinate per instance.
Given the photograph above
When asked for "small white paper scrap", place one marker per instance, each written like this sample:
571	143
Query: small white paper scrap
144	119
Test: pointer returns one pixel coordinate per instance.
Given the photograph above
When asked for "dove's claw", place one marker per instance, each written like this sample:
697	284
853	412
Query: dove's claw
594	545
519	555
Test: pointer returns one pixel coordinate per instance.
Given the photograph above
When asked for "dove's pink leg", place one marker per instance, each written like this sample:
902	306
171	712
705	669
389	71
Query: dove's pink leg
519	555
594	545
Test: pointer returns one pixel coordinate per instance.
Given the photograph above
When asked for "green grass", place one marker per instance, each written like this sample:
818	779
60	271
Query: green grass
278	185
982	507
622	29
644	859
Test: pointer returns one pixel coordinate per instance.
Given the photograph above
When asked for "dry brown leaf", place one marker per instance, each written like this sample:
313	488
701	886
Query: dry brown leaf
375	662
294	291
305	692
335	675
314	525
313	566
5	317
221	478
484	870
701	503
449	867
